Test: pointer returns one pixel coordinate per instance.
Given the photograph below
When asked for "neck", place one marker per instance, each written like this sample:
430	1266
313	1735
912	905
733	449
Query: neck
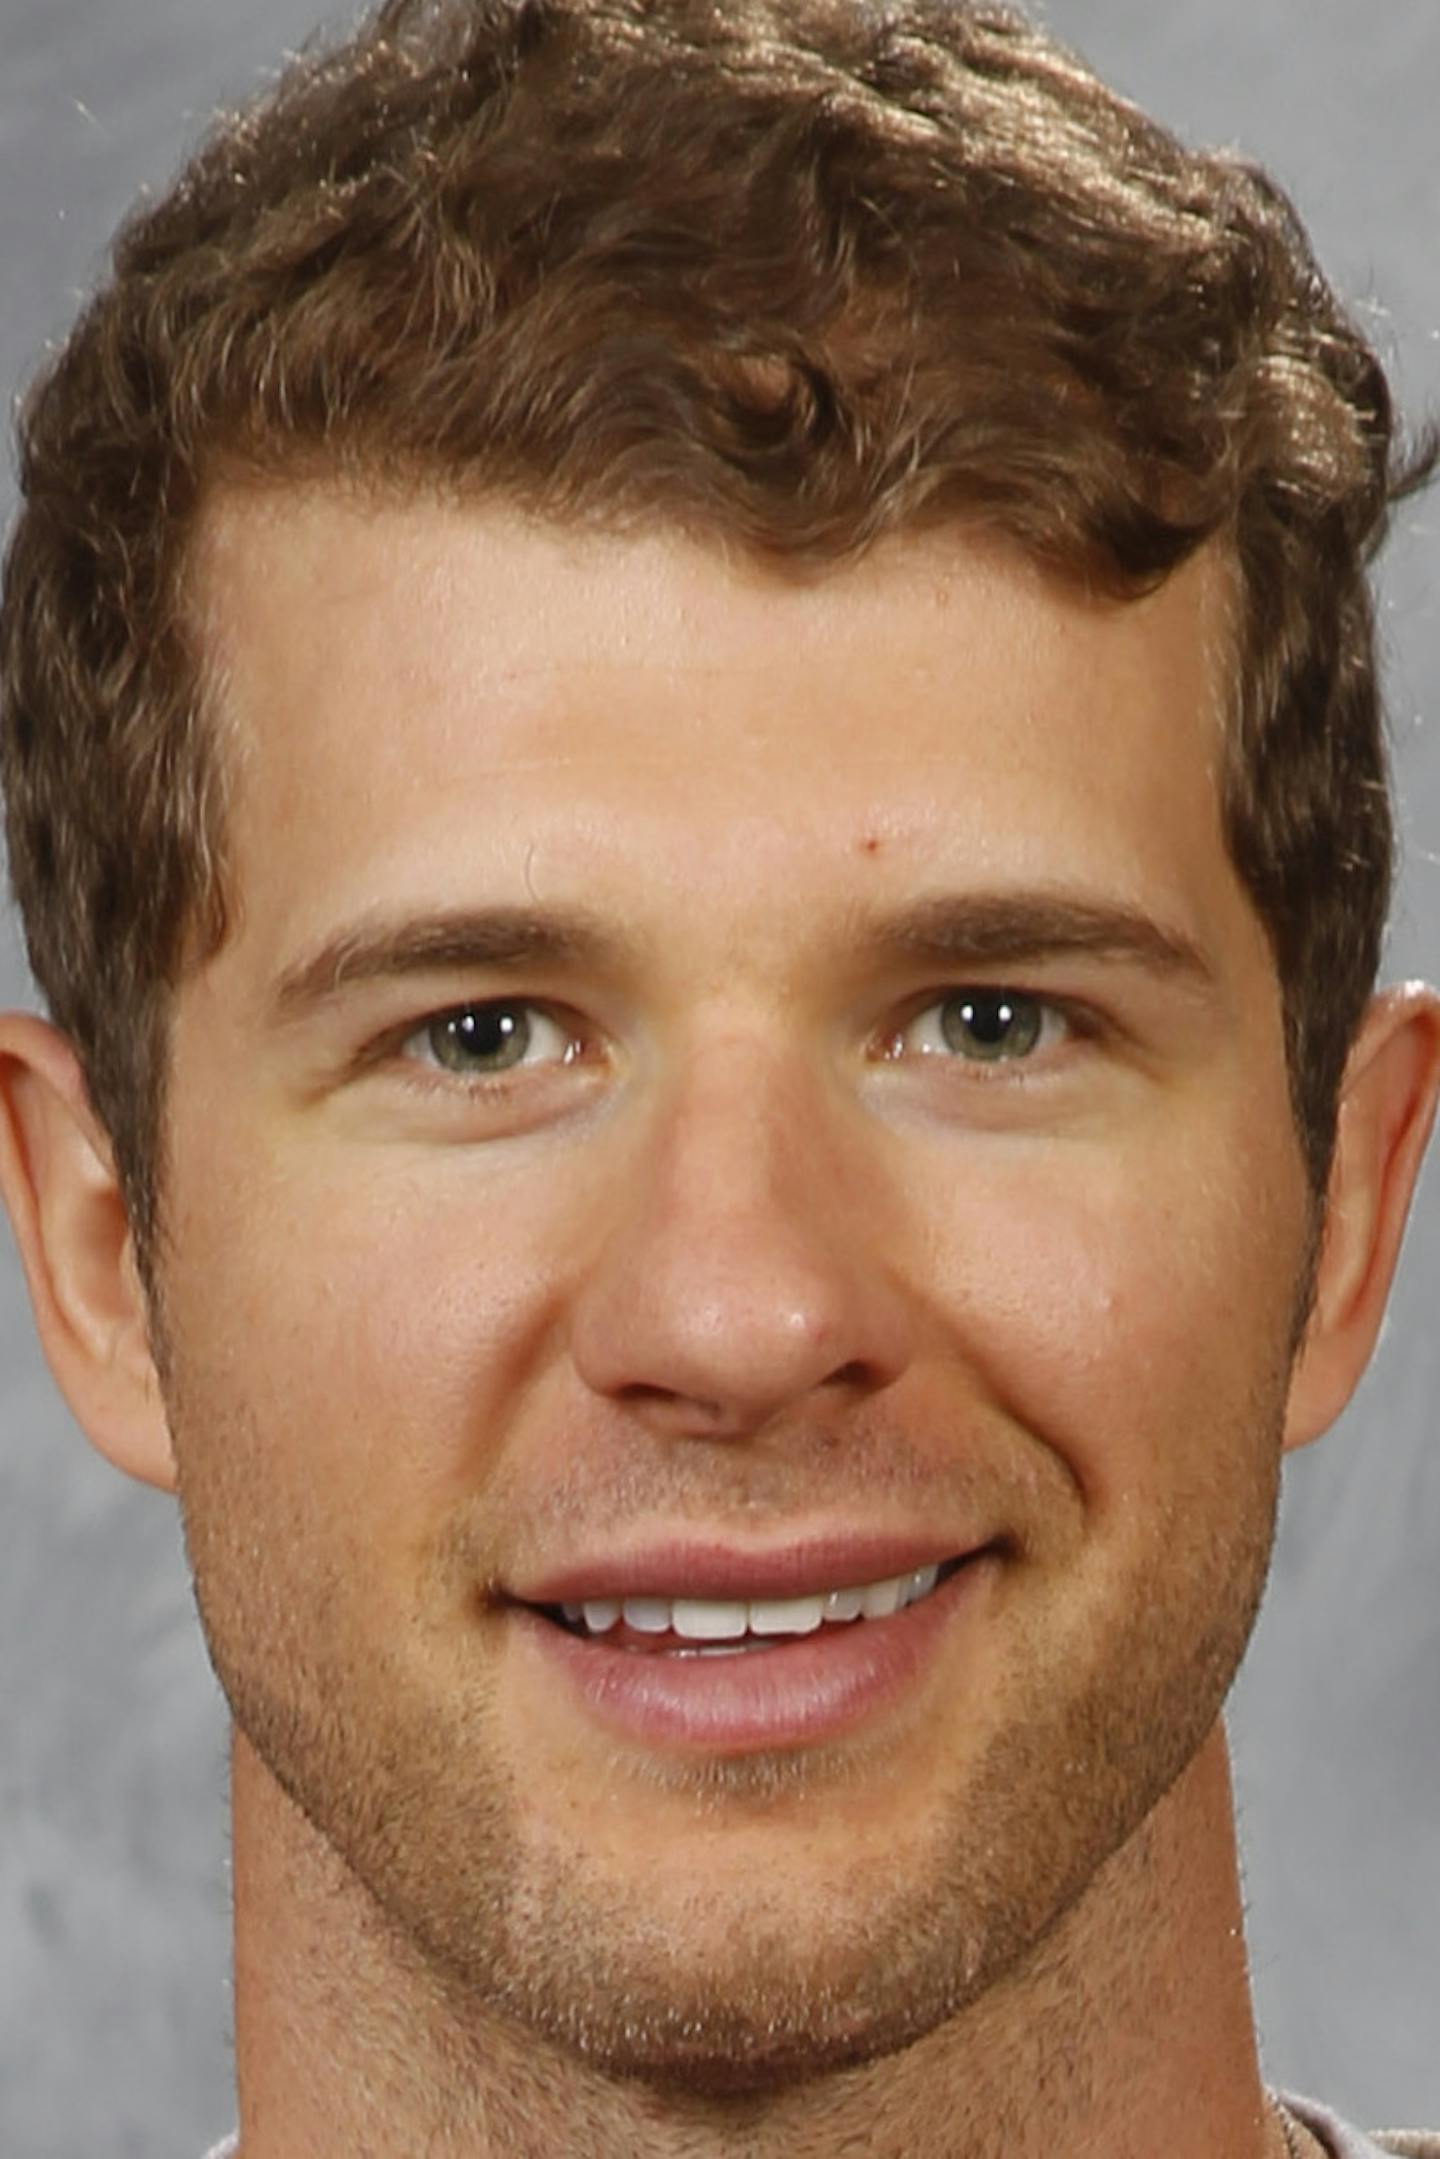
1129	2031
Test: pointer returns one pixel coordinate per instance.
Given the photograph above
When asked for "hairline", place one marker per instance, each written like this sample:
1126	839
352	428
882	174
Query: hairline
286	471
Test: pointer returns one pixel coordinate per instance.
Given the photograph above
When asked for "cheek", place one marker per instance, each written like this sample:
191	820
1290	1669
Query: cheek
370	1322
1133	1316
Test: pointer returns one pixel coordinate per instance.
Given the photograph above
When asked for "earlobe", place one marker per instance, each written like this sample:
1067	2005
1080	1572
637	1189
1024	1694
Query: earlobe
1387	1108
59	1185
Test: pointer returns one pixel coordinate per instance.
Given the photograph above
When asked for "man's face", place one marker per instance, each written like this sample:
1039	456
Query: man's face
707	1070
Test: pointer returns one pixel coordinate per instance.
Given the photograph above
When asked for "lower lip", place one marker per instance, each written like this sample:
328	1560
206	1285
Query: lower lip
812	1688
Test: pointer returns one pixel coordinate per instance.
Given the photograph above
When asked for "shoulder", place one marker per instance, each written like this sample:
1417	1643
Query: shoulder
1346	2142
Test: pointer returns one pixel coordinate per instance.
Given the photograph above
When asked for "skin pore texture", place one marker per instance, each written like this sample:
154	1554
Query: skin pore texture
744	1246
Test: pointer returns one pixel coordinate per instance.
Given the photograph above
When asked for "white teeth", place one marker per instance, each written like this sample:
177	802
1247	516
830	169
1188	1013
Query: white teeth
705	1619
599	1613
786	1615
702	1622
883	1598
845	1604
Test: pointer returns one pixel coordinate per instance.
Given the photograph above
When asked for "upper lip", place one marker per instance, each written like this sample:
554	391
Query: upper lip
686	1567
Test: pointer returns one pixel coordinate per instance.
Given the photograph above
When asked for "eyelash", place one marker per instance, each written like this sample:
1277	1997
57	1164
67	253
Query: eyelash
432	1074
1077	1022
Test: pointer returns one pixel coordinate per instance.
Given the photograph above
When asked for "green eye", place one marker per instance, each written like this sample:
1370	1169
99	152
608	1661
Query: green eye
491	1038
483	1040
983	1026
991	1026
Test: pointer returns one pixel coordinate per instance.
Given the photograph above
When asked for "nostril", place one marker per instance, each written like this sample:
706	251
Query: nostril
639	1394
641	1390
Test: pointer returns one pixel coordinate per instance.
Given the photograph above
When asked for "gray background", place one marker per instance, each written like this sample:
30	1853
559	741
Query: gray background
114	1920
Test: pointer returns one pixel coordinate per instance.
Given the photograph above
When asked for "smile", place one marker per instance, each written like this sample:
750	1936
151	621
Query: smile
737	1675
651	1625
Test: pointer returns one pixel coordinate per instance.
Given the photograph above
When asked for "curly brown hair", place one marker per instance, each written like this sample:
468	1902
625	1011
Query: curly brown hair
788	274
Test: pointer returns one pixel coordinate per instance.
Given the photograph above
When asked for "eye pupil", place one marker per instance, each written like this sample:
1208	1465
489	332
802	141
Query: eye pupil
493	1035
991	1024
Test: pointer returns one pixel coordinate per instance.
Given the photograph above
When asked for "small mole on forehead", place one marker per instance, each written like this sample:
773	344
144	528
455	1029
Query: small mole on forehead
869	843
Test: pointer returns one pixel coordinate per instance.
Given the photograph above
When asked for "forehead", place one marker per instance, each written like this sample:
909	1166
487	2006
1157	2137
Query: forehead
419	693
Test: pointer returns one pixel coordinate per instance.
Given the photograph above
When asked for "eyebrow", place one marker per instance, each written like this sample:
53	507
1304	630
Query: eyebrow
1027	928
495	939
947	932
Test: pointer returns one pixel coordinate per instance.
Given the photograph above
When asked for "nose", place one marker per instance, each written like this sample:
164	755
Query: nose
742	1269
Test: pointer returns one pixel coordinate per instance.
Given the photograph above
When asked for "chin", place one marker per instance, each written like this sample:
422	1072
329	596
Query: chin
728	2054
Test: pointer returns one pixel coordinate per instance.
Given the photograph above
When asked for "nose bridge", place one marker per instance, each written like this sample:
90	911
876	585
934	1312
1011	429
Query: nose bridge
739	1151
738	1274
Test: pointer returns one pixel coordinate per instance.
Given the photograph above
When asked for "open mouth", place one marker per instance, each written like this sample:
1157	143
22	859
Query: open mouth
736	1671
713	1627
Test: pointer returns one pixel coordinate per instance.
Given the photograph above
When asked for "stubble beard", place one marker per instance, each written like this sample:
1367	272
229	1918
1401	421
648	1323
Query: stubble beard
431	1839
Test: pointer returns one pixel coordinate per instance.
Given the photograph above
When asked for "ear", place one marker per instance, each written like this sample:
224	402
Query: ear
57	1176
1387	1106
